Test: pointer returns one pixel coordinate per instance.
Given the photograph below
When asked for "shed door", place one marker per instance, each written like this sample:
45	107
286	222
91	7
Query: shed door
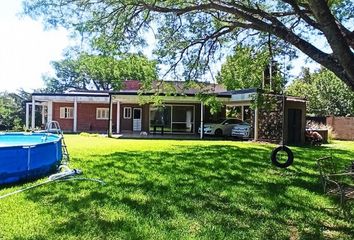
294	126
136	119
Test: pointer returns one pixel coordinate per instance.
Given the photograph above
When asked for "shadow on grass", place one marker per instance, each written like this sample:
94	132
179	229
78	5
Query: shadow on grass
215	191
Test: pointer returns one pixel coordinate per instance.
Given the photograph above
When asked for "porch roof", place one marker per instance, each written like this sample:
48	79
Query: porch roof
227	97
123	95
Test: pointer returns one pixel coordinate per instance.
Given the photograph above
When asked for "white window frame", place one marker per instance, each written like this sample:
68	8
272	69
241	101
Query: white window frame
102	113
66	112
127	112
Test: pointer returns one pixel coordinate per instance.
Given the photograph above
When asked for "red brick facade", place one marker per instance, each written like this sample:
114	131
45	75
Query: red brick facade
87	121
65	124
86	117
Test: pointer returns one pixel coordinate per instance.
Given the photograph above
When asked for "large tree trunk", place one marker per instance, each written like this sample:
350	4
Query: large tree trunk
335	38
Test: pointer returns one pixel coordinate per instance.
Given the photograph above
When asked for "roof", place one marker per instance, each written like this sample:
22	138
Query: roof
169	88
82	93
162	88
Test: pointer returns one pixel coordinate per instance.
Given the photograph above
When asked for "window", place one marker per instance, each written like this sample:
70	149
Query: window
127	113
160	116
102	113
174	118
182	119
67	112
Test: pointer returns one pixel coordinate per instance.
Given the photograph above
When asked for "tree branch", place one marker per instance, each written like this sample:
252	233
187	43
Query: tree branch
334	36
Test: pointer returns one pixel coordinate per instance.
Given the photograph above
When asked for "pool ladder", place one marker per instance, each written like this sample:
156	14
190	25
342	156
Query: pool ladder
54	127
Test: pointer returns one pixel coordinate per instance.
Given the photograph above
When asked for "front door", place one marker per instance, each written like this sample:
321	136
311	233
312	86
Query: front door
136	119
294	126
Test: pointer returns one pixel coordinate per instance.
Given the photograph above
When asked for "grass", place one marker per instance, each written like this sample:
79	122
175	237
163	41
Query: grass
169	189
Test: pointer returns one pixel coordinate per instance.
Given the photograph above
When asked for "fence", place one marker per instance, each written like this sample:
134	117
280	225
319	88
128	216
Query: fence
342	126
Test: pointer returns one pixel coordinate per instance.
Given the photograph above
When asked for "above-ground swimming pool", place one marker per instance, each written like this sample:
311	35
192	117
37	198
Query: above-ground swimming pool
28	156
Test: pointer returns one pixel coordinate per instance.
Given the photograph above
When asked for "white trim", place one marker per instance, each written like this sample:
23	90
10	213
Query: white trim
80	99
102	113
75	115
27	115
33	113
49	111
66	113
43	113
110	117
118	117
130	113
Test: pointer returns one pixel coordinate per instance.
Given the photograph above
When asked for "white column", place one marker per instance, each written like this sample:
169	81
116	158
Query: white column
27	115
118	117
49	111
256	124
201	120
43	113
75	115
33	113
110	116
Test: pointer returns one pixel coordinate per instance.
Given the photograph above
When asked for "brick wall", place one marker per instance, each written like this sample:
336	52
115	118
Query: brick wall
86	117
343	127
65	124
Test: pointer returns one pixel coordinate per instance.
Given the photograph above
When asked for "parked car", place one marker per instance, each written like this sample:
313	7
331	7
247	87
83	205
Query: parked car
241	130
222	128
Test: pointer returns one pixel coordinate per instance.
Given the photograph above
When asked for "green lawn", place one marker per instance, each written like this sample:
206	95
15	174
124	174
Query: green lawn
165	189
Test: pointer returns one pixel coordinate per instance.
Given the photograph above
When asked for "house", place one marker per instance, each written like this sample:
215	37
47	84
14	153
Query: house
128	111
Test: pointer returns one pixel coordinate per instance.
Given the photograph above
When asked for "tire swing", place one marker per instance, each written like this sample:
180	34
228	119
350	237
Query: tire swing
275	159
282	148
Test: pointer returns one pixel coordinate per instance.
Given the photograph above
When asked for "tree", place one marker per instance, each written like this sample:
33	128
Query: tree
191	33
244	69
100	72
11	111
326	94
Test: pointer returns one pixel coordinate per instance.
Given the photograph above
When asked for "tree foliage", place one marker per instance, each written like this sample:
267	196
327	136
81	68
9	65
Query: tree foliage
326	94
12	105
193	34
100	72
244	69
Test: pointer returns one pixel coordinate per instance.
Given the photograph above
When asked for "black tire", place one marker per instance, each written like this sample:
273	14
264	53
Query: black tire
275	160
218	132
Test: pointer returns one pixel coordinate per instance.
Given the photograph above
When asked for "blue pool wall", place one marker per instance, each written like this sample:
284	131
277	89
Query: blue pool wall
31	160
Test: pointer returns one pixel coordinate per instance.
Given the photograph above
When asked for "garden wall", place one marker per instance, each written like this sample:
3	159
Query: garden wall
270	122
342	126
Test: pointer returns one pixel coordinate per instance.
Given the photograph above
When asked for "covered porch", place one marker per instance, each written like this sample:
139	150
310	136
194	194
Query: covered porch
175	115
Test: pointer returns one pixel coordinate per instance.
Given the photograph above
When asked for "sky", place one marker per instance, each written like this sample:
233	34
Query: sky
26	50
